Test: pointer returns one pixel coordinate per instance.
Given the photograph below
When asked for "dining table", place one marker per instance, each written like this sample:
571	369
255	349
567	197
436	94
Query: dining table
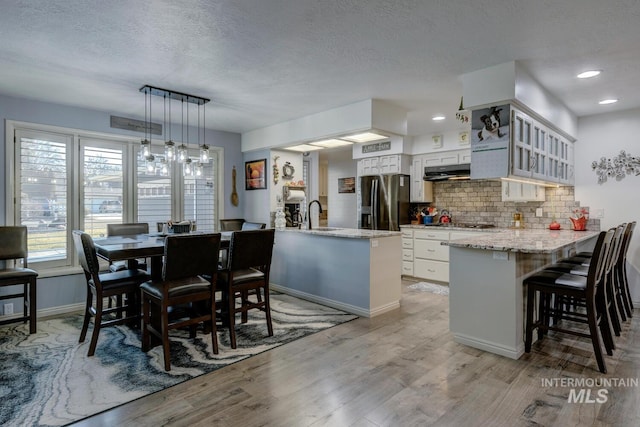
136	246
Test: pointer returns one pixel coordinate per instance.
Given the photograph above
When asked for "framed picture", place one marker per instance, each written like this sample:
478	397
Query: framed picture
255	177
347	185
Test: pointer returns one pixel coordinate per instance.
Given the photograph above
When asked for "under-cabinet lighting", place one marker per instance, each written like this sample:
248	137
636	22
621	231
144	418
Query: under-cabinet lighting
525	181
608	101
588	74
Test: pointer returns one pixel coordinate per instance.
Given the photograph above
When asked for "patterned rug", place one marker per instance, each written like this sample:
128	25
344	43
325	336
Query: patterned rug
46	379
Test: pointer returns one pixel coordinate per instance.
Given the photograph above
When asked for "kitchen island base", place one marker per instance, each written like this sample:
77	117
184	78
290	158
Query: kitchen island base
486	293
357	271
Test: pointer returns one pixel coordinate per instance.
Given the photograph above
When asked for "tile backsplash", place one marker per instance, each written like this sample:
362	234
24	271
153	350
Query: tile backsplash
480	201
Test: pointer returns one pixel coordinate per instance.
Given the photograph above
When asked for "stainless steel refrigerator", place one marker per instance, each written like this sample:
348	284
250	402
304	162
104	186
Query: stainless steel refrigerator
384	202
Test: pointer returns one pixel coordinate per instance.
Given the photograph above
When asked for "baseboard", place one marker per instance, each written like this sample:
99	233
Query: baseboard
511	353
323	301
50	312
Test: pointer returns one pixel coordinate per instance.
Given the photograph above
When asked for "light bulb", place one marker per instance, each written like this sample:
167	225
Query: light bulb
204	153
170	150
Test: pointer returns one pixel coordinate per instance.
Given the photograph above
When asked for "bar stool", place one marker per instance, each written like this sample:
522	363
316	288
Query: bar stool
554	284
612	301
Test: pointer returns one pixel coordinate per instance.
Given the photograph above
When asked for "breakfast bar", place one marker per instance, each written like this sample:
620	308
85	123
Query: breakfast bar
487	298
358	271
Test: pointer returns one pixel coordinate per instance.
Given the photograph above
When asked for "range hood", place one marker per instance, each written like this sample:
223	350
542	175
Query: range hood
443	173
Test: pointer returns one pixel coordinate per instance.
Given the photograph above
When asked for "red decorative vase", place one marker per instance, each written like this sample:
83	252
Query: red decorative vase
579	224
555	225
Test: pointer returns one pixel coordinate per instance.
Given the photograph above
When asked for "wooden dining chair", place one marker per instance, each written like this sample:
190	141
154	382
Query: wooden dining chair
187	258
128	229
125	284
13	247
247	273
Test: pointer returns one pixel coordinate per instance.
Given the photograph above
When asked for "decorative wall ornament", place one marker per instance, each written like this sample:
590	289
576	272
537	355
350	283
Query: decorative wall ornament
619	167
288	171
276	171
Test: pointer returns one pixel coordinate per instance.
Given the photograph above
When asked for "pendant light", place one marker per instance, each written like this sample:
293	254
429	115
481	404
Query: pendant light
171	152
145	144
169	145
204	148
182	148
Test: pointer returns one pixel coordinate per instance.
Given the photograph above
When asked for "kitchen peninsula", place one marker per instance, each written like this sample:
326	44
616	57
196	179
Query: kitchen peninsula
358	271
486	294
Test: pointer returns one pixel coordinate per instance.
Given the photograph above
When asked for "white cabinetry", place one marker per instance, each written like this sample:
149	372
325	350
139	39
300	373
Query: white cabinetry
522	192
430	258
539	152
423	254
422	192
407	252
390	164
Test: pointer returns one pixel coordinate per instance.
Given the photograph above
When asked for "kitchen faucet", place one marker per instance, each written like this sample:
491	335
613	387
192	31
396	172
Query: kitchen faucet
309	210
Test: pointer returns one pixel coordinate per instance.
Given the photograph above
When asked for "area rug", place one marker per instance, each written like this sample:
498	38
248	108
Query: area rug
430	287
46	379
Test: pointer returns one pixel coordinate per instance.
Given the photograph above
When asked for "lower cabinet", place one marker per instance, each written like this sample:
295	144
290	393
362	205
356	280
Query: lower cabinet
423	255
430	258
407	252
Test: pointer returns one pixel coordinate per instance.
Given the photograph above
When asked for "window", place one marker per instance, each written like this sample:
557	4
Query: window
42	183
62	180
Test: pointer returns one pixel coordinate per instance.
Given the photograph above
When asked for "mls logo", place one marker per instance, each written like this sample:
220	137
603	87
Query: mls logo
583	395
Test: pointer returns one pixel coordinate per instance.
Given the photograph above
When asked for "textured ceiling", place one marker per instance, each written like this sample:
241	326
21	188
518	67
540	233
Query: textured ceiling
267	61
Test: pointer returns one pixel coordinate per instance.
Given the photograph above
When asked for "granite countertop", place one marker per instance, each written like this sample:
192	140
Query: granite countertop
449	228
531	241
350	233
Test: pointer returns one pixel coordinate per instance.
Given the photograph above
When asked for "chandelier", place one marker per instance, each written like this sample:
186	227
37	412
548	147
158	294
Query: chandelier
160	162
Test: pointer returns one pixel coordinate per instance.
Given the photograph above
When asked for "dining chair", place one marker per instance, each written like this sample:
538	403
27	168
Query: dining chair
128	229
13	247
247	272
231	224
552	286
187	258
101	286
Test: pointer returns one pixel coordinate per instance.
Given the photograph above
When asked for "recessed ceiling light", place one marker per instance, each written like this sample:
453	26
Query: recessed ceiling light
608	101
438	118
588	74
330	143
303	147
364	137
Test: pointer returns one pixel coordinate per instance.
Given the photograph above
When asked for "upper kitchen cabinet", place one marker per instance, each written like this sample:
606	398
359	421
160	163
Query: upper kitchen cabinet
539	152
421	191
389	164
511	143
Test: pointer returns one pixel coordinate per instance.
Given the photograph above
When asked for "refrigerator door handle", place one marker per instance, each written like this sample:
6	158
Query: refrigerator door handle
374	204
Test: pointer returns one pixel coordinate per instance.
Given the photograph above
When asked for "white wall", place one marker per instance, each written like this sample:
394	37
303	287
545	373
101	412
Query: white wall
605	135
342	207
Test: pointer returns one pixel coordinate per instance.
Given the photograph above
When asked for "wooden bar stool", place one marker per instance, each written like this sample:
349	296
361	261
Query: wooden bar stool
557	285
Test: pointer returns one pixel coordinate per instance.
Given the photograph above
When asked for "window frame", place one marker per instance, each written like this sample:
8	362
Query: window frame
75	206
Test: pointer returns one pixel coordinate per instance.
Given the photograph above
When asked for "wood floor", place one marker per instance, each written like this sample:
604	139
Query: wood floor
398	369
